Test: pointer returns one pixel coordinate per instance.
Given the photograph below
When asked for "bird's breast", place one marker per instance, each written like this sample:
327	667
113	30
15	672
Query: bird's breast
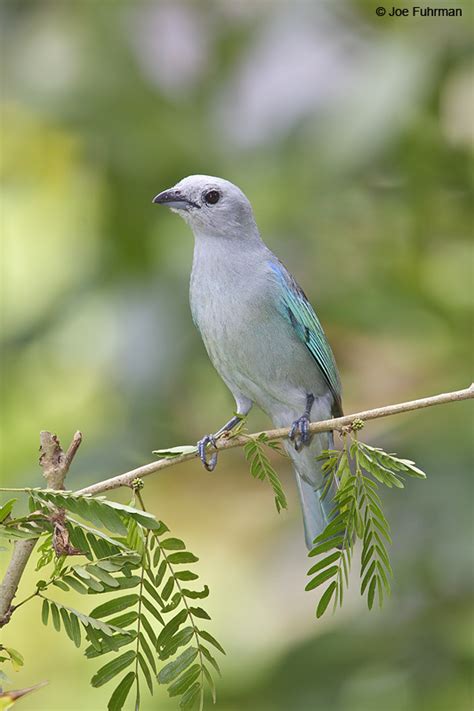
256	351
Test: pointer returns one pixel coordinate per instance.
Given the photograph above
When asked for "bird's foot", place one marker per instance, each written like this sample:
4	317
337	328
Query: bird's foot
209	464
300	434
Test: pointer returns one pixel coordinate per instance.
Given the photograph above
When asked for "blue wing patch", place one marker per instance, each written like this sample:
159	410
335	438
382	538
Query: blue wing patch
295	307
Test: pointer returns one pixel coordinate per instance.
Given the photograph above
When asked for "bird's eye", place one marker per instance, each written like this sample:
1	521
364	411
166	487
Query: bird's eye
212	197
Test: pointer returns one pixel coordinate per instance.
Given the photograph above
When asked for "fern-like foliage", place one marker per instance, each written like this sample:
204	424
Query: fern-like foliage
150	615
357	514
261	467
151	627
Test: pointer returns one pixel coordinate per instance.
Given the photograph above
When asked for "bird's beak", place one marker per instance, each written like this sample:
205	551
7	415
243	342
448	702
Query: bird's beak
175	199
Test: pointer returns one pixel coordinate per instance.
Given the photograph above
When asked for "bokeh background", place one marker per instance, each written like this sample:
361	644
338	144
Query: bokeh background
352	136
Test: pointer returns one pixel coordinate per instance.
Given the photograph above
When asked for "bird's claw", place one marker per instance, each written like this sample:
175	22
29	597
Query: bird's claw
300	434
209	464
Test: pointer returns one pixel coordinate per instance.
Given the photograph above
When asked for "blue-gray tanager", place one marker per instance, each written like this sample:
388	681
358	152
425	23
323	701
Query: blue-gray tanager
260	332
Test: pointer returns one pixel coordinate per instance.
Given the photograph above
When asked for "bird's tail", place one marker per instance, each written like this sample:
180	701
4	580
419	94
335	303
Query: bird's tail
317	511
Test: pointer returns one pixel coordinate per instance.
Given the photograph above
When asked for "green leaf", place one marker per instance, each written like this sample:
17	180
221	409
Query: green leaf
383	529
78	538
161	530
14	533
81	572
173	544
412	470
55	617
173	603
209	638
119	696
168	588
146	519
174	668
322	577
333	528
125	583
61	585
148	653
78	530
326	599
370	596
261	468
367	577
115	605
383	577
185	575
75	584
109	644
326	546
15	657
366	557
112	668
149	630
66	622
152	610
95	585
45	612
161	573
210	658
175	451
325	562
171	627
124	620
380	591
180	639
103	576
196	594
210	682
151	590
145	671
6	509
109	565
105	514
199	612
384	557
183	557
135	537
75	630
188	699
180	685
94	638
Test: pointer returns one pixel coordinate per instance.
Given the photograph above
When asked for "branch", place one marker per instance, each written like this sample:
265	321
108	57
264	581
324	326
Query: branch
338	423
55	465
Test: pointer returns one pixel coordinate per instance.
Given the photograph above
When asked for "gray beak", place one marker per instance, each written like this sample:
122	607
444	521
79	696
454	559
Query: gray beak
175	199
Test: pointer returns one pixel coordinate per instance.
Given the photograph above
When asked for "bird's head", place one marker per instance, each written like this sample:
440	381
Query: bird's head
212	207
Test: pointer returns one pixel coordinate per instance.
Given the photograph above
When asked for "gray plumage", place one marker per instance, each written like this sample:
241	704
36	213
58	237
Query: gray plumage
259	330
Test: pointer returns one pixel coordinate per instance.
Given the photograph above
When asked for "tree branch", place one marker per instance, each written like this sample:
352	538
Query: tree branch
338	423
55	465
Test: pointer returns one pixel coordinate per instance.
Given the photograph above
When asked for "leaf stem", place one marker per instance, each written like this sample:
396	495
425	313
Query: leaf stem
191	618
27	599
140	597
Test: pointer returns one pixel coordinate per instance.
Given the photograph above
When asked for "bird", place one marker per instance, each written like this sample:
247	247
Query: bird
261	334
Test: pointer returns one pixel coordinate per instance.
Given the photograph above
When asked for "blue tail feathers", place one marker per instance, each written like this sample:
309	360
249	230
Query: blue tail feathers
317	512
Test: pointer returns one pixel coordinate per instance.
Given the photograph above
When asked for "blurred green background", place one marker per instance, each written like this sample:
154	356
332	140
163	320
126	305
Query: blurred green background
352	136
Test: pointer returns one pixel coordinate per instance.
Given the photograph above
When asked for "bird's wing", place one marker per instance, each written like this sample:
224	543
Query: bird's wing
295	308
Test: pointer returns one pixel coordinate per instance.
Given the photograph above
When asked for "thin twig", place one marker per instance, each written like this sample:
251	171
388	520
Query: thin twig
54	459
55	465
337	423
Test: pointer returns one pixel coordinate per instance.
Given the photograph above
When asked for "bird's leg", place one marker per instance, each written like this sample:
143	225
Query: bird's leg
210	464
300	435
